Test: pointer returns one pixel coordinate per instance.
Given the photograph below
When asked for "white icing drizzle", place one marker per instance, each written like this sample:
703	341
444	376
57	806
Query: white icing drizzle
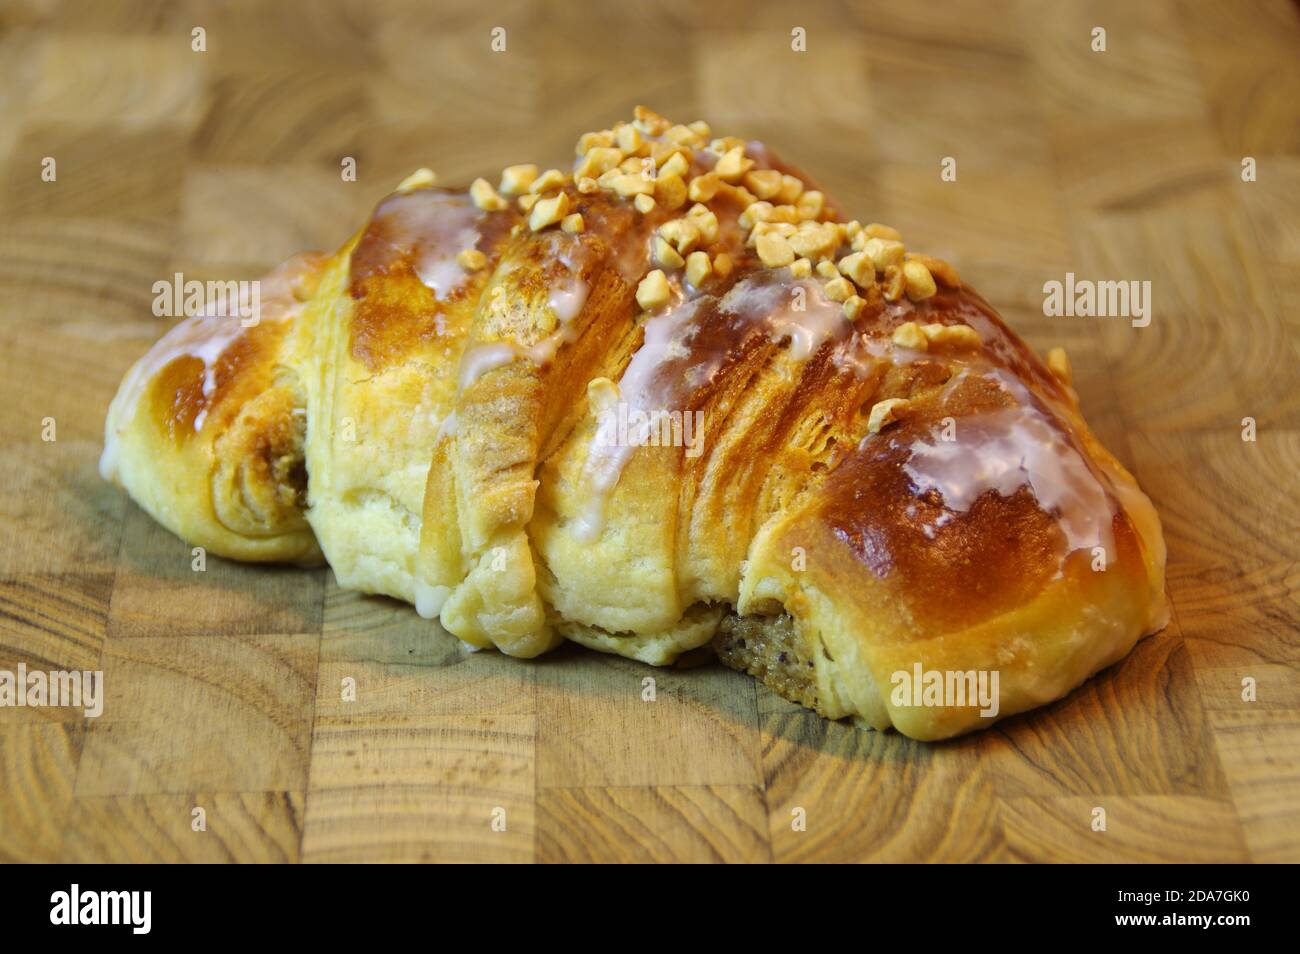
1004	450
1029	444
448	427
481	359
566	299
775	304
205	336
631	258
670	364
665	339
441	272
435	227
865	353
543	353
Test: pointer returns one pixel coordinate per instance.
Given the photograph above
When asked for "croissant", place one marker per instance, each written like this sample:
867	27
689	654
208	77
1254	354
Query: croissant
667	400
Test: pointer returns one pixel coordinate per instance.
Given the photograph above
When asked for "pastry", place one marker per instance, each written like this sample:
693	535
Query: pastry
667	399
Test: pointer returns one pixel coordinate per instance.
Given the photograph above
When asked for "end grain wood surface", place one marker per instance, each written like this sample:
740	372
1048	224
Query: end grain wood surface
223	687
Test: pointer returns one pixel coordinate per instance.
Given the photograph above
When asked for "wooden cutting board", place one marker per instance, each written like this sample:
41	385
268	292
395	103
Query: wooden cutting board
224	688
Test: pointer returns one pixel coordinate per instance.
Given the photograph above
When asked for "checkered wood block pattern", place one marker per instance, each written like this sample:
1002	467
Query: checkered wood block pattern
224	688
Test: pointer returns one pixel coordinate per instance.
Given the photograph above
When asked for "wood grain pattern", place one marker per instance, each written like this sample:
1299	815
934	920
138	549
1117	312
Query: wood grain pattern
311	724
257	827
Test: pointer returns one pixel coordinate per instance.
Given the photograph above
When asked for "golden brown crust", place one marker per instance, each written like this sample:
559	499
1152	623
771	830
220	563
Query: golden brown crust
207	430
862	469
395	311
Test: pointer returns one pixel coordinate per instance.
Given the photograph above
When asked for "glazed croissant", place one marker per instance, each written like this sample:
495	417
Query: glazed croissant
665	400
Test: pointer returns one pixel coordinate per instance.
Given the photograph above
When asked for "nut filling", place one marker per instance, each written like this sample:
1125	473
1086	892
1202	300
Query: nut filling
769	648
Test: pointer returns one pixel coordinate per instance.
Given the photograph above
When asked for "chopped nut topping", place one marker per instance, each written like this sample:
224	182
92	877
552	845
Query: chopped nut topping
670	192
766	212
421	178
485	197
630	184
653	292
594	140
573	223
815	239
883	252
757	212
629	139
661	150
920	283
910	335
666	255
527	201
471	259
650	161
876	230
783	229
597	162
886	412
684	135
698	268
774	251
1058	362
548	211
674	165
548	181
952	336
705	187
683	233
945	273
739	196
764	183
859	268
733	165
838	289
895	283
602	394
515	180
648	121
811	204
786	213
791	189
